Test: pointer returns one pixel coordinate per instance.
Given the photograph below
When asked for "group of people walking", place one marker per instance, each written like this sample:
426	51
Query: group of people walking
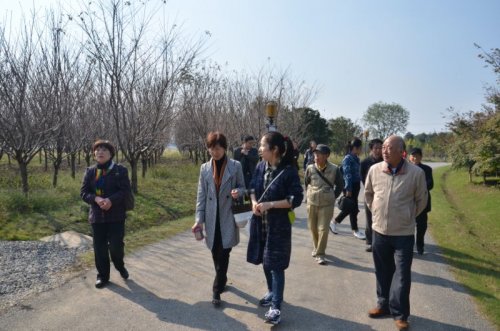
396	194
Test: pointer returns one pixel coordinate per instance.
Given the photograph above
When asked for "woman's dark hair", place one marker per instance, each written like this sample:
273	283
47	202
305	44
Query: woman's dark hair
375	141
106	144
284	144
355	142
216	138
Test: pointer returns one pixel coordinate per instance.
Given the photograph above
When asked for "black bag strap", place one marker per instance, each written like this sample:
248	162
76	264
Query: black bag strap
323	177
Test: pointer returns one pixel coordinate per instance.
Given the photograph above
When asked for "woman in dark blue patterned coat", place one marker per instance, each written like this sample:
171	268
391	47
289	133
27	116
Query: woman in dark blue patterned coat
271	229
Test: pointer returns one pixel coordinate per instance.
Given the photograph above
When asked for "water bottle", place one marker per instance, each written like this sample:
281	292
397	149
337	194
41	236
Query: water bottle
198	233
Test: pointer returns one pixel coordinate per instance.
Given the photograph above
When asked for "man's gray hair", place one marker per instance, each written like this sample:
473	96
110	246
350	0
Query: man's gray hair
400	142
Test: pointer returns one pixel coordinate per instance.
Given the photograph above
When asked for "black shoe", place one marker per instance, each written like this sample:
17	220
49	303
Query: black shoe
100	283
216	299
420	251
123	273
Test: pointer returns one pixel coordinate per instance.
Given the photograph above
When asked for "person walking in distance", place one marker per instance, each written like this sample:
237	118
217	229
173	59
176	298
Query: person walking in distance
374	157
221	180
324	184
395	193
352	185
309	154
416	159
248	156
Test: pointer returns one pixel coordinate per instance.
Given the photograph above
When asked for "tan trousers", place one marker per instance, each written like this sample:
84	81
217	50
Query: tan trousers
318	220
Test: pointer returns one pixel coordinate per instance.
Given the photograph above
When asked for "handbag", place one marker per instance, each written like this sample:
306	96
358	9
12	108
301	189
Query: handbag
242	211
347	204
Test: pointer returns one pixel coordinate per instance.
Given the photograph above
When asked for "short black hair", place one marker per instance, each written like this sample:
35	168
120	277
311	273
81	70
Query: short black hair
373	142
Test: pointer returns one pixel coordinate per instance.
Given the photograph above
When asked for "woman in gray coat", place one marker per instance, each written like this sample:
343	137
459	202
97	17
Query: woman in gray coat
221	180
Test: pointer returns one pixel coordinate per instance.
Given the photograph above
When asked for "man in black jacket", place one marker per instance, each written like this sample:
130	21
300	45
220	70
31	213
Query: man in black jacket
374	157
421	220
248	156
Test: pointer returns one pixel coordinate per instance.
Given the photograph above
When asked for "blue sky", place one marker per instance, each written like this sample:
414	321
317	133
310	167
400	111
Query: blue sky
419	54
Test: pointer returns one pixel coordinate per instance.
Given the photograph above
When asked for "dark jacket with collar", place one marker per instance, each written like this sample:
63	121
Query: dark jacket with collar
430	184
116	185
274	252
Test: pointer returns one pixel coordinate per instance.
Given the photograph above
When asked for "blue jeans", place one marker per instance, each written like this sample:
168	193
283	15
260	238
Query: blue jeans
393	256
275	285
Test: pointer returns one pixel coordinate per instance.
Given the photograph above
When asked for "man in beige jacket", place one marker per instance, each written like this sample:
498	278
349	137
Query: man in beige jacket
323	185
395	192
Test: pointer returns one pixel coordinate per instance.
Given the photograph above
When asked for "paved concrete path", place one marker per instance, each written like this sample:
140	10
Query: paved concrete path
170	289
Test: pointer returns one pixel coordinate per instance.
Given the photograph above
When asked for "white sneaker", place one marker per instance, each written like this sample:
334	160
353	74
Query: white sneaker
358	234
273	316
313	253
321	260
333	227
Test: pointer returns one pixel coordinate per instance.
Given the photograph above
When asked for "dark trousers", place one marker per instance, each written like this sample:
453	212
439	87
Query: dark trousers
353	216
220	256
276	285
392	256
108	240
421	229
368	229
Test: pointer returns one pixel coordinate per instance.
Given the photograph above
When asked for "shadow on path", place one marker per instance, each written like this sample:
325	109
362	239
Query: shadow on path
299	318
421	323
201	315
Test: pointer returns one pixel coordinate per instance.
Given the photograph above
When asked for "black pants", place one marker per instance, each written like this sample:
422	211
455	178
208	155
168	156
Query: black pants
368	230
108	240
353	216
421	229
393	256
220	256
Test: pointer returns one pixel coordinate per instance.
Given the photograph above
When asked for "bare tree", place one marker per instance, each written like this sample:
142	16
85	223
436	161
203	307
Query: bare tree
141	75
24	127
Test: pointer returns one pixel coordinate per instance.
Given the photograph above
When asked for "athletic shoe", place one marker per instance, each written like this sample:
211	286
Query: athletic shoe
321	260
333	227
273	316
368	248
358	234
100	282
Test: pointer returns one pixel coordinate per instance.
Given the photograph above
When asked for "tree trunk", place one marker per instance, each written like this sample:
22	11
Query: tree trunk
87	158
40	156
46	160
68	160
73	164
8	158
23	168
144	162
79	157
133	169
54	176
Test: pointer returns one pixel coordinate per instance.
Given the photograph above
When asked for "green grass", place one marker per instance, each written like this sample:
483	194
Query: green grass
465	223
167	193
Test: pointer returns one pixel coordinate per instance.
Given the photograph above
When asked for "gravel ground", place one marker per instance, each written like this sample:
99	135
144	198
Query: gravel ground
29	267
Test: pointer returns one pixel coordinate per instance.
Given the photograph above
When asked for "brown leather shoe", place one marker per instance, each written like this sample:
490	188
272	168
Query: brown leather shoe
377	312
402	325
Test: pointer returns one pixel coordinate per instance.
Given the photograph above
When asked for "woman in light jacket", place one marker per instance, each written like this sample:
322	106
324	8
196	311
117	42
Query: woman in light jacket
221	180
271	229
